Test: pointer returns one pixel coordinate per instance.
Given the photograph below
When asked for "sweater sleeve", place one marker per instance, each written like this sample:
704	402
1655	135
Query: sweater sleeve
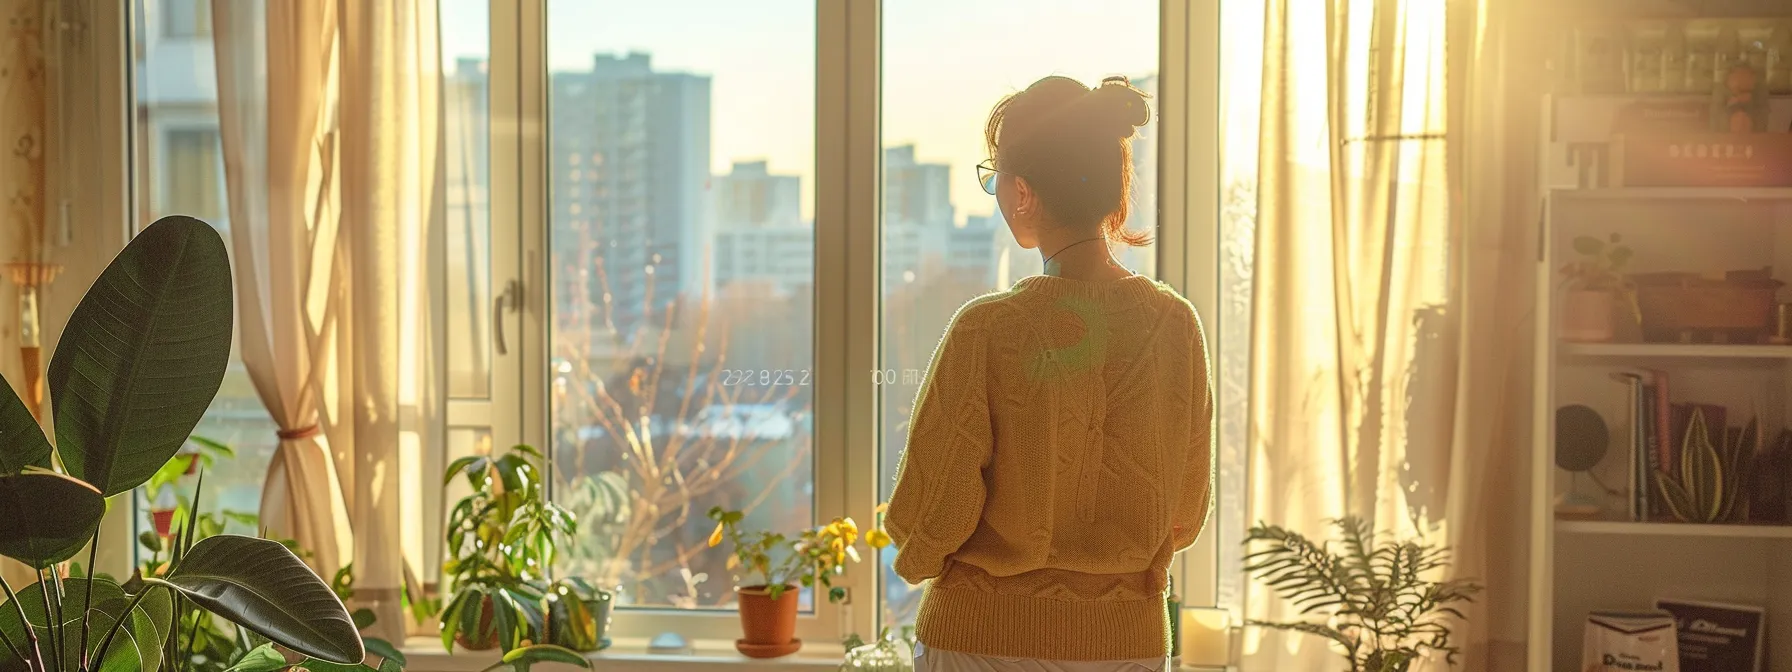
939	493
1197	480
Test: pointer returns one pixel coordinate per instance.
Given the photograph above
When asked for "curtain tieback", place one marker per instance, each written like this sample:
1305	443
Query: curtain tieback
300	433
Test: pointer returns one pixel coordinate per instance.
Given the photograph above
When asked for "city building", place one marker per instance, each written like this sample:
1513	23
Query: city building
751	197
629	166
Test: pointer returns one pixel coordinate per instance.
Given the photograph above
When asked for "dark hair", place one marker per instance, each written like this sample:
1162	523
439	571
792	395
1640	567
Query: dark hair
1073	145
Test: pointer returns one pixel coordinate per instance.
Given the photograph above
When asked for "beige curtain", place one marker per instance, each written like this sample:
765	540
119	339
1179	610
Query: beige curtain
276	96
391	166
329	114
1389	188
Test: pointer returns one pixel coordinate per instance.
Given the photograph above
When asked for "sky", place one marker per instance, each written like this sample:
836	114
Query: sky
946	62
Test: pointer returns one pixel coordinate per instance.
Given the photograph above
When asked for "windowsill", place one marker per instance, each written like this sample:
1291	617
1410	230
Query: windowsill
425	654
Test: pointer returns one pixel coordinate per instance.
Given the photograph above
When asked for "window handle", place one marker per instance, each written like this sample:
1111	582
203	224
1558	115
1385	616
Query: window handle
510	298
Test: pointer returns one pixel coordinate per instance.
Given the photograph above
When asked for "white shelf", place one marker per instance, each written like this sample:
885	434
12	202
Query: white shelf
1765	531
1676	350
1678	193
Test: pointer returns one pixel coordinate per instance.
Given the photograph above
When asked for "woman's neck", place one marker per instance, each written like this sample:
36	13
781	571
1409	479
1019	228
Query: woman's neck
1080	258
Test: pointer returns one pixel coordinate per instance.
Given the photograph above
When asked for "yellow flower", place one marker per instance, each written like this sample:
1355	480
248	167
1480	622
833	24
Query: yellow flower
715	538
883	508
854	552
877	538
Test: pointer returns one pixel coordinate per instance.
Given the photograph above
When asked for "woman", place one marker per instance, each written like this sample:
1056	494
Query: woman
1059	450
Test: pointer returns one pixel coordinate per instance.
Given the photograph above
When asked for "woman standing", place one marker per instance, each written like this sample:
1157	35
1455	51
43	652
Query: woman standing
1060	448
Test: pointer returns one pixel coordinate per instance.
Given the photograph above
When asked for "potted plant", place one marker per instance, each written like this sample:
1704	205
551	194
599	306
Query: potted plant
502	540
1595	284
1373	600
138	364
768	605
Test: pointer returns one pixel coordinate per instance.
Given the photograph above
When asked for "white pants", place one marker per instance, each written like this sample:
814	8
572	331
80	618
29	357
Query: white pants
935	660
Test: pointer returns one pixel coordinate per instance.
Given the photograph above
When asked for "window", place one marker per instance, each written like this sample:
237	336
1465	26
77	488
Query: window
944	242
654	291
193	166
676	387
185	18
181	171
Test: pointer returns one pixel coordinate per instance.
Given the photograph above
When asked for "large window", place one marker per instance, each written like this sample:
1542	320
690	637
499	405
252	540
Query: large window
645	206
680	159
944	242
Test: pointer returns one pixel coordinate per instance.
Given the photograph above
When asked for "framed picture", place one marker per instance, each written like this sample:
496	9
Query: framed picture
1717	637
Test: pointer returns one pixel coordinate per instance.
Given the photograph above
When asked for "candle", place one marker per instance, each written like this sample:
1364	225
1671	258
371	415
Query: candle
1206	637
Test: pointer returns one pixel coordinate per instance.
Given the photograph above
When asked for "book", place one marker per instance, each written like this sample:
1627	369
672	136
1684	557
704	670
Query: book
1717	637
1636	495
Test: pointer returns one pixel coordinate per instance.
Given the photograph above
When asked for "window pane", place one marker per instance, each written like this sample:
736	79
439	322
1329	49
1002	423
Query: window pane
466	121
681	241
180	170
945	65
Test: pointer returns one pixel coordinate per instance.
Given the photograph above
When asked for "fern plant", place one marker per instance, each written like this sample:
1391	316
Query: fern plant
1367	594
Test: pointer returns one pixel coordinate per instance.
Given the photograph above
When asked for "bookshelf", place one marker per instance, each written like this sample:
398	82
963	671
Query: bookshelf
1610	562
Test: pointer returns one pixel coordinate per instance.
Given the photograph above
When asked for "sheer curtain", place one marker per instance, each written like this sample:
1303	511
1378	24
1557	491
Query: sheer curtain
1389	173
328	114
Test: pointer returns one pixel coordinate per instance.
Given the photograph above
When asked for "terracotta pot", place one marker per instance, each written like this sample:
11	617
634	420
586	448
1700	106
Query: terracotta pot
193	463
486	638
768	626
1587	316
164	522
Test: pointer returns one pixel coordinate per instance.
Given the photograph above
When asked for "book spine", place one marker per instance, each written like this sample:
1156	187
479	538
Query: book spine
1650	451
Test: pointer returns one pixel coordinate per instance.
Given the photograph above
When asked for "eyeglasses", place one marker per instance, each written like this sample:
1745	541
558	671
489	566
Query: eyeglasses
986	176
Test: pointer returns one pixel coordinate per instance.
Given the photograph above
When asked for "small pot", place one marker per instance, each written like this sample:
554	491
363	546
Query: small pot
164	521
768	626
581	629
485	639
1587	316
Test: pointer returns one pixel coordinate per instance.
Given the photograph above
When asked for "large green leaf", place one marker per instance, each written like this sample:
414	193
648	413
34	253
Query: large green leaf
143	354
260	585
138	645
22	442
46	517
522	658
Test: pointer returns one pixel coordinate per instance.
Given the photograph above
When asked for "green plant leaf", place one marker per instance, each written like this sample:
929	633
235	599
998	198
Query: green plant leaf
1702	470
138	645
1673	494
520	659
143	355
213	446
22	441
48	517
262	658
467	465
260	585
384	650
362	617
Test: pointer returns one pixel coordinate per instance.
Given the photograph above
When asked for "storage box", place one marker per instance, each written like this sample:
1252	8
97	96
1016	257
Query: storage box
1702	159
1683	307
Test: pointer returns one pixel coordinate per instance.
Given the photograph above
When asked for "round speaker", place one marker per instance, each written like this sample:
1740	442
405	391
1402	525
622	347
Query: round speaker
1581	437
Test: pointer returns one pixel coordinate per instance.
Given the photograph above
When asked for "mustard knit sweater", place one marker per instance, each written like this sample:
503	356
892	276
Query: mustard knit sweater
1059	454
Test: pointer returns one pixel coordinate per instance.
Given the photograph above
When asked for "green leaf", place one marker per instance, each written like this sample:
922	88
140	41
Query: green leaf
215	447
362	617
262	658
169	474
385	650
315	665
451	619
521	659
138	645
260	585
468	464
1702	471
1679	503
22	441
48	517
143	355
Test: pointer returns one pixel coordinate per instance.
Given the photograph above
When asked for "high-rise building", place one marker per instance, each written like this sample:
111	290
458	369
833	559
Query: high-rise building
751	197
629	160
915	193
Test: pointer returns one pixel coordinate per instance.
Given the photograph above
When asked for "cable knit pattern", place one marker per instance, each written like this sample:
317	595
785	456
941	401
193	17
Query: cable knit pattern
1059	454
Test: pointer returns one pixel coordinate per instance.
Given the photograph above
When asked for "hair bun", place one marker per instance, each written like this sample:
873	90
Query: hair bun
1122	103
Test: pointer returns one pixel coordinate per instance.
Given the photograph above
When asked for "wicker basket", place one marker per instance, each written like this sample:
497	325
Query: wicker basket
1684	307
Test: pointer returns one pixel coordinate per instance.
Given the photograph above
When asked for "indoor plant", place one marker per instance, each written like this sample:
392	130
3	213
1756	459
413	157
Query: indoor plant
1373	598
768	606
138	363
1595	283
1706	485
502	538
